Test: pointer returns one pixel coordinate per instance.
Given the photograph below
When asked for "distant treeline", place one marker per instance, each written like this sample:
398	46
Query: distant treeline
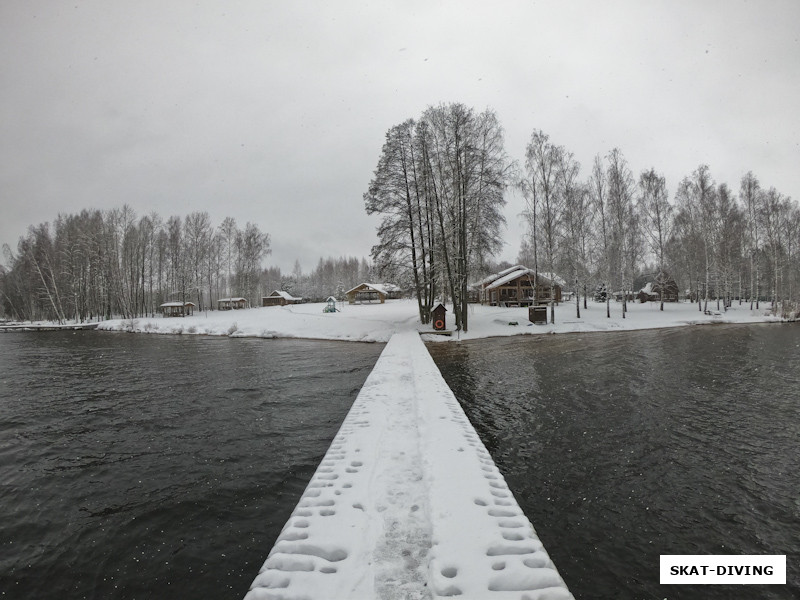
106	264
331	277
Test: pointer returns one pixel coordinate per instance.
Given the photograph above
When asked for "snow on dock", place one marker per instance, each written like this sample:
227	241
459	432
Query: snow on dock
407	503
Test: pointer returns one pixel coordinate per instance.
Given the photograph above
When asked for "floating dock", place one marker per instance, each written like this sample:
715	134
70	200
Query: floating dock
407	503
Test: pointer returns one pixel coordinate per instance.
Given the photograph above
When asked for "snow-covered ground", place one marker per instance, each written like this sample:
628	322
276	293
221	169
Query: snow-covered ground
377	322
407	503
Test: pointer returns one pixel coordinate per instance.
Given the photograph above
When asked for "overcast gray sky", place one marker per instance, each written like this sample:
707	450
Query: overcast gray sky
275	112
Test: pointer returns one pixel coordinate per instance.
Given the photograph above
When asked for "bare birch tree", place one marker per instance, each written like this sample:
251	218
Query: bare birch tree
657	219
598	192
545	203
624	225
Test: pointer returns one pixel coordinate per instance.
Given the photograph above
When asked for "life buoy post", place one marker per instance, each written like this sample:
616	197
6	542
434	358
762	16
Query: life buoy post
438	317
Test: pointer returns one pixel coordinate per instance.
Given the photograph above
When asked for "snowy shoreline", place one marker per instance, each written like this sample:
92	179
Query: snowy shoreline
378	322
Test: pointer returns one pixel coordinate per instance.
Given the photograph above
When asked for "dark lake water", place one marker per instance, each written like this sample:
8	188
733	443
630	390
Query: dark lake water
622	447
136	466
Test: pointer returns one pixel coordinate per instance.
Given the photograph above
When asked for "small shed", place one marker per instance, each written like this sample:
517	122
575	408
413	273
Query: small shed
231	303
538	314
370	292
279	298
438	317
177	309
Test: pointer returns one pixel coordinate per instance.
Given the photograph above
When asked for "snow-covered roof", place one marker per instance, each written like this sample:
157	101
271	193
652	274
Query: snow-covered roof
520	271
553	277
233	300
511	277
382	288
282	294
177	304
387	288
647	289
510	274
493	276
509	269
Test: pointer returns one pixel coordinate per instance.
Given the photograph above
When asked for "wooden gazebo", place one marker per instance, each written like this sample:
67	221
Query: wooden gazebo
177	309
370	292
231	303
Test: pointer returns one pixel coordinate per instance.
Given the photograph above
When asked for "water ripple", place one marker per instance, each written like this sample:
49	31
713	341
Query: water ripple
137	465
621	447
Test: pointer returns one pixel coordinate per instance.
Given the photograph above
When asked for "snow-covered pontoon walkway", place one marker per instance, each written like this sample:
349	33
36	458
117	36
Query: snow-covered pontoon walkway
407	503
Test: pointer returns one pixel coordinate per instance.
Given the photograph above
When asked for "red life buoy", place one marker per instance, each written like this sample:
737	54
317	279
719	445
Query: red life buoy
438	324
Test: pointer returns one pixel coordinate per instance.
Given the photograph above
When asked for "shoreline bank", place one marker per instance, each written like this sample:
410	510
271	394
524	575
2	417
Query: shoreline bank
378	322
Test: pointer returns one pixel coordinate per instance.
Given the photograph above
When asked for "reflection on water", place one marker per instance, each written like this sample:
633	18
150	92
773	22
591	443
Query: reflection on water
158	466
622	447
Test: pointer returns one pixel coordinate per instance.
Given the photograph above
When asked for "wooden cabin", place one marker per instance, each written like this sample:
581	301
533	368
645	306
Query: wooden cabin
652	291
231	303
372	292
669	286
280	298
646	294
551	286
177	309
520	286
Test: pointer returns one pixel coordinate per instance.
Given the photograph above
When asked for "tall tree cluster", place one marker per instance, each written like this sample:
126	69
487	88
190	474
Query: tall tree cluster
657	220
742	248
439	187
97	264
557	210
614	229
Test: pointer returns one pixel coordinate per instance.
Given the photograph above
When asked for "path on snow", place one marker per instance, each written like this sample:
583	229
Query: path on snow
407	503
